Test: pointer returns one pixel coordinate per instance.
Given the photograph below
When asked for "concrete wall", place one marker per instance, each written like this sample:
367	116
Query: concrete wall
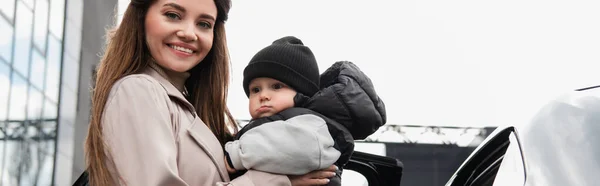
98	14
85	26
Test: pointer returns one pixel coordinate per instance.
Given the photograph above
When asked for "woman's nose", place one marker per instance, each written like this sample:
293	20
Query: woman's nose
187	33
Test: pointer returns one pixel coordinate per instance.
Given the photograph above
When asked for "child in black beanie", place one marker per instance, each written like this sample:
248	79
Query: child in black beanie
302	121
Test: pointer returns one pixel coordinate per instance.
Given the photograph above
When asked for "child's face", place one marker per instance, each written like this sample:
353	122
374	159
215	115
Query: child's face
269	96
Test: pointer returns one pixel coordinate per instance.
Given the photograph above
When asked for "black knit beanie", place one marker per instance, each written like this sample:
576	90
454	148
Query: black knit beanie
286	60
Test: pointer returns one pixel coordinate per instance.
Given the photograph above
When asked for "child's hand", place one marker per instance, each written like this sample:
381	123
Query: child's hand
230	169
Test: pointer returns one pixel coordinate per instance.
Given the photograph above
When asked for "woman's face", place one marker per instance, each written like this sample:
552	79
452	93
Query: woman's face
179	33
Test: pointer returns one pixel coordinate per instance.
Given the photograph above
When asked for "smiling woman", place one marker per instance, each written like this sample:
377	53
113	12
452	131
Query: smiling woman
137	133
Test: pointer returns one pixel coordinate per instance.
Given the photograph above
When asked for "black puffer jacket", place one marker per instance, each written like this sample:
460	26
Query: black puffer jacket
346	101
347	96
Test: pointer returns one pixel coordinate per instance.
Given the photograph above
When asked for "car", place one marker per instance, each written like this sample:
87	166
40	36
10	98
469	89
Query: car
560	146
377	170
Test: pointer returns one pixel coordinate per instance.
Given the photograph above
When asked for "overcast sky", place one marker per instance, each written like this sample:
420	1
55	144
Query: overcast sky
448	63
457	63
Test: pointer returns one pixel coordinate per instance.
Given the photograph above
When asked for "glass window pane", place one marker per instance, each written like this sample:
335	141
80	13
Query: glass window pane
36	154
18	98
41	24
47	166
46	157
2	149
57	17
24	25
14	154
38	68
34	108
6	40
29	3
32	131
4	89
10	174
29	154
50	110
53	68
30	163
8	8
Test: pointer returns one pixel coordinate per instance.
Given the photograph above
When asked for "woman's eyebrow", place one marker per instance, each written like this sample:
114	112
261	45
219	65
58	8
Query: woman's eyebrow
180	8
206	16
176	6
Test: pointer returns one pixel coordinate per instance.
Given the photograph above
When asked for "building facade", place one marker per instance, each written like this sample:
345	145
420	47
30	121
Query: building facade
45	65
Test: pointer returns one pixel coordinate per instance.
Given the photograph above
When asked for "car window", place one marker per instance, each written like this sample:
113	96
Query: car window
498	163
353	178
512	169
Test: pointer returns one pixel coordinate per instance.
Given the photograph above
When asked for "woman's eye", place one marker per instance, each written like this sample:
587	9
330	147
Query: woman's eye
172	15
204	25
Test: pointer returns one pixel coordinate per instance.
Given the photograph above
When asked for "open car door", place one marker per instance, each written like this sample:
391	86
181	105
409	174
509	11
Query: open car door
378	170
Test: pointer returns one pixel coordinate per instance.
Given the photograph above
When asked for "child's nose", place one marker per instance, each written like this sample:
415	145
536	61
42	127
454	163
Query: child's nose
264	96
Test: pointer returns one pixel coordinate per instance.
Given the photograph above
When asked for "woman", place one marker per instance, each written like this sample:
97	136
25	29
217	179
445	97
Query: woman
159	113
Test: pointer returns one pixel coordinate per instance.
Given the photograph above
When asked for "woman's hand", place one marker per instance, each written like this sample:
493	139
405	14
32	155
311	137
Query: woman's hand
318	177
230	170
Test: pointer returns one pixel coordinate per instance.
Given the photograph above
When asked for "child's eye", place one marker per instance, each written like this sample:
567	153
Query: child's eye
255	90
172	15
277	86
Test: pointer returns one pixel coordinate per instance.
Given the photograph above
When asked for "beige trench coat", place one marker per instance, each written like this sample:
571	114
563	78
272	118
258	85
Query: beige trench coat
154	137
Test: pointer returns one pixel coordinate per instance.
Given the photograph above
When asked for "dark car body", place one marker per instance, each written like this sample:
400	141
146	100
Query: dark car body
560	146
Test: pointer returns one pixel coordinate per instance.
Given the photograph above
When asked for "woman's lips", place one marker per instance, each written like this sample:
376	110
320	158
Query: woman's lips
180	53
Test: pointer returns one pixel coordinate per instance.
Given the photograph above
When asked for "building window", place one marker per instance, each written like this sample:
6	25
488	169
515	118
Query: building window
30	69
34	105
23	30
8	9
38	68
40	32
57	17
6	40
5	87
53	69
18	98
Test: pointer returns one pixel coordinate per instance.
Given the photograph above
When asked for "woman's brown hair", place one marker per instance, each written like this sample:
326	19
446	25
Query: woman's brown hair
126	53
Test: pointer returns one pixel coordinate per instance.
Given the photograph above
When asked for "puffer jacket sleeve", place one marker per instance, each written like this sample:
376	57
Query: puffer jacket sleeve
293	146
348	96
